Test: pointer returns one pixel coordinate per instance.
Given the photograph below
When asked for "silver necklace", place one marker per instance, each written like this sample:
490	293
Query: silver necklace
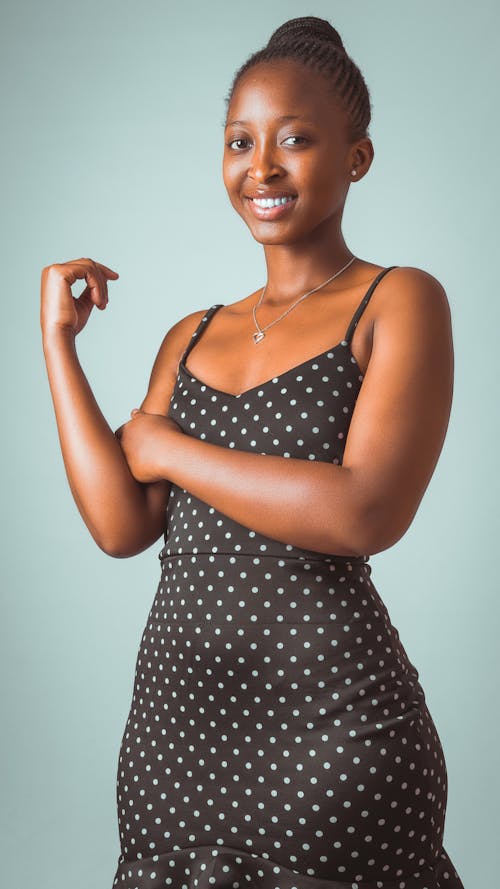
259	335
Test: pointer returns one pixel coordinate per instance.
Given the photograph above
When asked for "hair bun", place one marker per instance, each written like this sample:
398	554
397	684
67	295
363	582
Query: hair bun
306	27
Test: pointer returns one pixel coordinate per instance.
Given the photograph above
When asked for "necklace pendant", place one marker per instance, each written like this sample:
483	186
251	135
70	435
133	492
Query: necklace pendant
257	337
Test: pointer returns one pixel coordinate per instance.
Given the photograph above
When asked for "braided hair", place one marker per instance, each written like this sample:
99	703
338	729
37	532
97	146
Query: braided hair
314	42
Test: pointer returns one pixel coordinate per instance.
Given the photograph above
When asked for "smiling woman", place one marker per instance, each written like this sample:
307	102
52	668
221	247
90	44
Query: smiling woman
278	734
313	147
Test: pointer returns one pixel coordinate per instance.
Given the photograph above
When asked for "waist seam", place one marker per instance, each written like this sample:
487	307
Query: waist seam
330	559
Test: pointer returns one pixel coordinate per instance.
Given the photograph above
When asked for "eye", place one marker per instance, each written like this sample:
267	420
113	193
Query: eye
232	142
301	138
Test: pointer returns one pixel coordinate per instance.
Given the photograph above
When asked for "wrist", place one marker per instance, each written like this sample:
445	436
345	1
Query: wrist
56	335
168	451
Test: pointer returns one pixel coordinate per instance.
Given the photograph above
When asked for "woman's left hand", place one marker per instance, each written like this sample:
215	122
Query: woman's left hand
144	441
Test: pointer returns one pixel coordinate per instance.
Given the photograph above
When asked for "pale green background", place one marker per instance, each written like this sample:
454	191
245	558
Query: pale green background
111	148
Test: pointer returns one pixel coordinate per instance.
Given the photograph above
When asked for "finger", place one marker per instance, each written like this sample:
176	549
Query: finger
91	275
99	286
85	301
107	270
104	274
104	285
93	262
95	288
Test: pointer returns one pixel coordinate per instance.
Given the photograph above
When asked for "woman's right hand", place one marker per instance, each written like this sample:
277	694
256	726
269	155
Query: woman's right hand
59	309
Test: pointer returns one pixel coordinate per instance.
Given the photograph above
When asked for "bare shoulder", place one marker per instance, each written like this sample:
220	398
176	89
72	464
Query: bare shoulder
411	306
415	293
166	364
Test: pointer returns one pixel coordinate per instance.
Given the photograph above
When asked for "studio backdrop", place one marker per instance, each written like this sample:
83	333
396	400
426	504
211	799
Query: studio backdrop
111	148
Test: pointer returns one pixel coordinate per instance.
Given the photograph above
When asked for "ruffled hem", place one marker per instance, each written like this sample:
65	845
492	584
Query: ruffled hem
222	867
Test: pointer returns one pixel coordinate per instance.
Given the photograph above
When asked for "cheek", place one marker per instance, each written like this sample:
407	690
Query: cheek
325	185
235	170
319	174
229	174
233	181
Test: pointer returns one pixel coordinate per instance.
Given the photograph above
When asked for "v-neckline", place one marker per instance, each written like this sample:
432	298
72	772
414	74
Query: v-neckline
296	367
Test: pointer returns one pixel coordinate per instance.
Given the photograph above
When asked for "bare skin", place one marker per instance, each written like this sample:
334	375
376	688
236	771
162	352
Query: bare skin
403	345
121	514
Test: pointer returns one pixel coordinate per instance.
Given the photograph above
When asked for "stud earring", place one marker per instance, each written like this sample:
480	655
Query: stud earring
353	172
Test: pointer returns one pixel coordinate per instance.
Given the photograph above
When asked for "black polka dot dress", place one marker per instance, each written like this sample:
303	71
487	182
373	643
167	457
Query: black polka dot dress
278	735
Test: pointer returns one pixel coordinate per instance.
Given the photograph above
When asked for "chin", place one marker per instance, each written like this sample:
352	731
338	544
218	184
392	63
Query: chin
277	237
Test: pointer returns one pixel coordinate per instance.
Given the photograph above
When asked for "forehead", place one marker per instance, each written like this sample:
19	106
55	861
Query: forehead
281	87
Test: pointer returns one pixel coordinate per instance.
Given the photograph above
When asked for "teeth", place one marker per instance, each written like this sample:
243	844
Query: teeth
271	202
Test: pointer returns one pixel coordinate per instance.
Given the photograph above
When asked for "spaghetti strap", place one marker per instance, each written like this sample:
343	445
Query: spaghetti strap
364	302
200	329
350	330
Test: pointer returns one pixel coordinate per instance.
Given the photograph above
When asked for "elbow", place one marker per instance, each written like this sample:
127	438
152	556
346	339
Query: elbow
366	520
116	552
123	547
378	527
117	549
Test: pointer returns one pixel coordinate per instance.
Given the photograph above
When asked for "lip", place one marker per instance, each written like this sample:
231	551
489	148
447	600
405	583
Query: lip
271	213
269	193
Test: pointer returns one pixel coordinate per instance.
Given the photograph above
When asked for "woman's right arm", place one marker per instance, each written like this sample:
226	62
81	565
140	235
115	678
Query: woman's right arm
123	516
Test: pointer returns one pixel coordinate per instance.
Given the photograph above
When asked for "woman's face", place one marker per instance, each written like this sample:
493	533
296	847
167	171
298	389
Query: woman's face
267	152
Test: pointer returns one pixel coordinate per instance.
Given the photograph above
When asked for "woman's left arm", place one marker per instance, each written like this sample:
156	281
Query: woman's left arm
395	437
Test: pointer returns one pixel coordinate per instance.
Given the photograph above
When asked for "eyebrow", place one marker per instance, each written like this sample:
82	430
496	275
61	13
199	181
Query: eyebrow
284	117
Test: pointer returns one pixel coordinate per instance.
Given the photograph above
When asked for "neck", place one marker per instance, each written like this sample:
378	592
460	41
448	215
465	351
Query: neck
293	269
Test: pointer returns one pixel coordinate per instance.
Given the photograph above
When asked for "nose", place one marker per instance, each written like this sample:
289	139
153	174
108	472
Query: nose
264	163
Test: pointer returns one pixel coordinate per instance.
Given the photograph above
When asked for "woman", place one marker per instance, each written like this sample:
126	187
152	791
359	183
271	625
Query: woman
278	735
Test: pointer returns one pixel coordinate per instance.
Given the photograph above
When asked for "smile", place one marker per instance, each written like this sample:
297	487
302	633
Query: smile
271	202
271	208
